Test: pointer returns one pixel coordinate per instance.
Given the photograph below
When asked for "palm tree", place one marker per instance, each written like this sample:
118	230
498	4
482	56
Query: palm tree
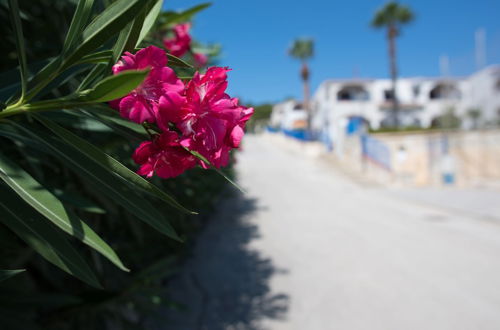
392	16
303	49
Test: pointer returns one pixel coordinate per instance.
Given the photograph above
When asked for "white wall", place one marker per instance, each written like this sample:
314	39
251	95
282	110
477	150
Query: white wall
481	90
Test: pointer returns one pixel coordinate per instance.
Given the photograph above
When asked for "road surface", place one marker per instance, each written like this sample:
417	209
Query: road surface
306	248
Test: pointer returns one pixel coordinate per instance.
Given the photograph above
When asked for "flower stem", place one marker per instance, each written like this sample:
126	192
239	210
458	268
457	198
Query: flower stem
17	109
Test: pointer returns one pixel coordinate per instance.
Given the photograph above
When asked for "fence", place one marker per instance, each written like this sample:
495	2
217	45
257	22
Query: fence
376	151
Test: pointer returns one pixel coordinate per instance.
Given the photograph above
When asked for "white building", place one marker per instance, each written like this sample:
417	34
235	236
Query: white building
483	94
288	115
422	101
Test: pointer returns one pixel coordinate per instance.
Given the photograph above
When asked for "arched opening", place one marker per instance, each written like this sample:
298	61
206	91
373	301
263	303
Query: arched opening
444	91
353	93
357	125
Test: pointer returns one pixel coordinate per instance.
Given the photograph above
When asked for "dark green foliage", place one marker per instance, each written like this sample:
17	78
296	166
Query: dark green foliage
68	193
302	49
261	116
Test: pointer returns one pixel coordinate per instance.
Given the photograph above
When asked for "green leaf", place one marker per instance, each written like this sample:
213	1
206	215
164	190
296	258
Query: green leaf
173	18
127	39
129	130
80	18
104	26
120	43
175	61
107	24
109	163
93	75
62	78
43	77
42	237
6	273
98	57
49	206
111	185
116	86
78	201
150	20
206	161
21	51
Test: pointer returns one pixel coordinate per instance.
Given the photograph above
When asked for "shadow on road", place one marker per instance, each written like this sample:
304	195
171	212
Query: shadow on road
225	285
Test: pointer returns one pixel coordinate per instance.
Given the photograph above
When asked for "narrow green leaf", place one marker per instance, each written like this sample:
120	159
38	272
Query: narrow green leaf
42	237
48	73
175	61
119	46
109	163
49	206
7	273
150	20
98	57
62	78
78	201
107	24
116	86
113	186
129	130
206	161
127	39
104	26
21	51
173	18
80	18
97	72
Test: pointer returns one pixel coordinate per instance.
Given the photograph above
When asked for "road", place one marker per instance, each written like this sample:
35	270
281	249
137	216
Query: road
306	248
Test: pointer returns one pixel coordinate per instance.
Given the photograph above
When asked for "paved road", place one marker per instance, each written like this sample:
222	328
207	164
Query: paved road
308	249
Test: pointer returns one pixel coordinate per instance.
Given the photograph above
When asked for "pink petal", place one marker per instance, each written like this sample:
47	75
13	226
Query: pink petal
200	59
151	56
136	109
143	152
170	109
236	136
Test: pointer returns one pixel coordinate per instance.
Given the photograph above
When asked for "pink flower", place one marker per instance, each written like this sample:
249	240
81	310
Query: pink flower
163	156
200	59
141	104
181	42
211	122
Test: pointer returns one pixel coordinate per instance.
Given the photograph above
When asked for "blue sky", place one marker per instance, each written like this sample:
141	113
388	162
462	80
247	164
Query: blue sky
256	34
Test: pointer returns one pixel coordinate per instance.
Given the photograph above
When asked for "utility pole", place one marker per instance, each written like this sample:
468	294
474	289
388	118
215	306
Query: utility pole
480	39
444	66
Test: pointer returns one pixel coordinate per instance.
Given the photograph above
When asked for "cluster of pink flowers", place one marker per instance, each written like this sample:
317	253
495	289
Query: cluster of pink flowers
197	116
180	43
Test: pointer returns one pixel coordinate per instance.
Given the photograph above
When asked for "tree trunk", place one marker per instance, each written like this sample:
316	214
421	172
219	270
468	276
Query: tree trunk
305	81
391	36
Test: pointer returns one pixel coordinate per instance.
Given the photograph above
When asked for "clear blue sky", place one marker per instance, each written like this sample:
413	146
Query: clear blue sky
255	35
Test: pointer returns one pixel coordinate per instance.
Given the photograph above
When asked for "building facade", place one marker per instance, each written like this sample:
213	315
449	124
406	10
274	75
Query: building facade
423	101
473	100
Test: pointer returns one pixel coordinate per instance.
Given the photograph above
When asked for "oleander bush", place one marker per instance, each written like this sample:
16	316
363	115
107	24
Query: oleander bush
113	137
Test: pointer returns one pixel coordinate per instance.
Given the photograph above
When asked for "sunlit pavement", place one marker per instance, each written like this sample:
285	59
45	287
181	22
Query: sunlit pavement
307	248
